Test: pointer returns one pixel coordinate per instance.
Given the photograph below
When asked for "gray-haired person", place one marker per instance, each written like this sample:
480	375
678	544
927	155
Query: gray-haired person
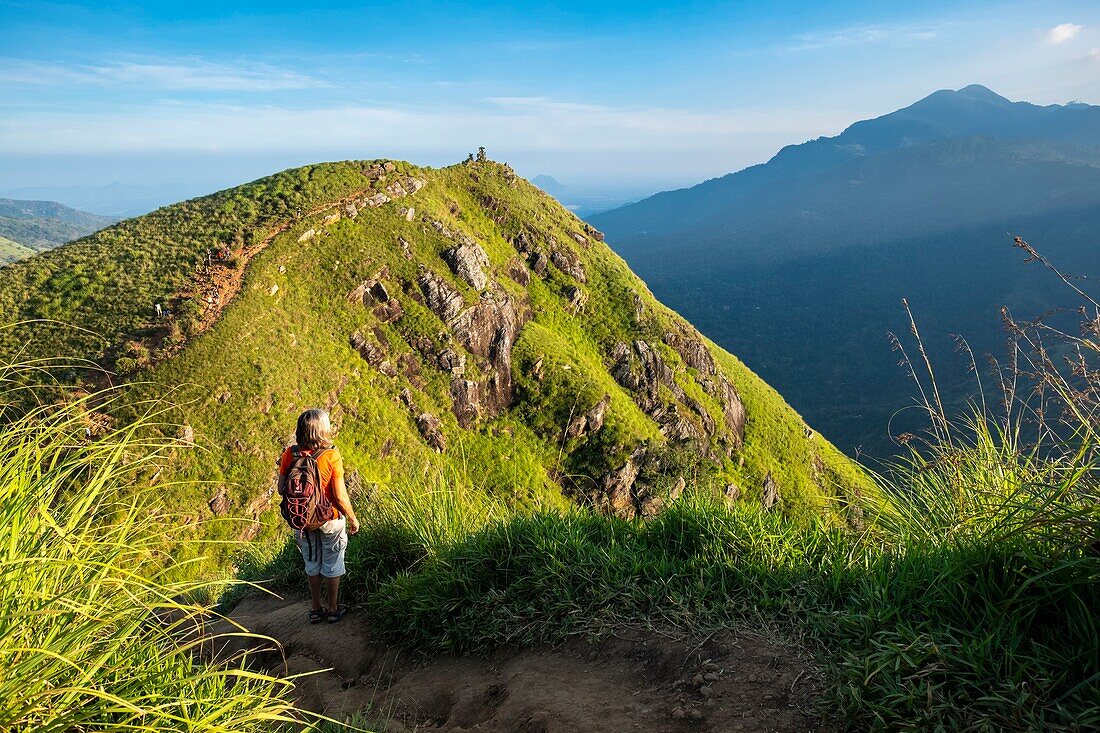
323	535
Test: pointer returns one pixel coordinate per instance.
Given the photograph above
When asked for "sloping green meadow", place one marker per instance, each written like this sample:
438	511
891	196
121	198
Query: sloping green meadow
284	344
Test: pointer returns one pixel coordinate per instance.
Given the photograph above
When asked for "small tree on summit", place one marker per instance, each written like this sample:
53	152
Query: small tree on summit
481	156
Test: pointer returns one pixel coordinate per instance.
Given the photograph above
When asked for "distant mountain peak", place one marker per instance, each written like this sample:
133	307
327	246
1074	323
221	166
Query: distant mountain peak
977	91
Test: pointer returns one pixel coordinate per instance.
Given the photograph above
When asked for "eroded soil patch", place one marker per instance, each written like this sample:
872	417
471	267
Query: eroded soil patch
633	681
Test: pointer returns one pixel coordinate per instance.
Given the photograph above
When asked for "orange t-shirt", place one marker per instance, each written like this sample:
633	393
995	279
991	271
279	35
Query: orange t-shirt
330	467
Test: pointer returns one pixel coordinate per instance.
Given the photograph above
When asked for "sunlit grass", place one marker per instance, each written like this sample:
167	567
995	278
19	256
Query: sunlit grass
96	629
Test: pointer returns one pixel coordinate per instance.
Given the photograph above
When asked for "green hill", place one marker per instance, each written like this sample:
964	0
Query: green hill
462	327
40	225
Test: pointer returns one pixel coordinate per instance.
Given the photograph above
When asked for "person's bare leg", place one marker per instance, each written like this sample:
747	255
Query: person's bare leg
332	586
315	591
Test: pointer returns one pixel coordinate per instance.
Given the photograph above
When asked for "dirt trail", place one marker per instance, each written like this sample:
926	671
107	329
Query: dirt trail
633	682
218	281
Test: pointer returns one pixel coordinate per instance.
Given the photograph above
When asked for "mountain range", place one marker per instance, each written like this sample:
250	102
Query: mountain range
799	264
27	227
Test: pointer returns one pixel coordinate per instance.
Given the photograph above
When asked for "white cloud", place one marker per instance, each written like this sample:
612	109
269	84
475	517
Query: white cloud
863	35
188	74
1062	33
1094	54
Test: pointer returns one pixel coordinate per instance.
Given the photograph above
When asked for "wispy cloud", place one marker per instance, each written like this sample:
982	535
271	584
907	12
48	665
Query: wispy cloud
1062	33
863	35
518	123
187	74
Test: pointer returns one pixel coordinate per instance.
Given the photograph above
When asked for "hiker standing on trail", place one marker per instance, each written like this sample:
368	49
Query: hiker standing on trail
317	507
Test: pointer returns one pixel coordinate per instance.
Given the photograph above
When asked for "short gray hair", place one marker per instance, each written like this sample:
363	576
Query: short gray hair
314	430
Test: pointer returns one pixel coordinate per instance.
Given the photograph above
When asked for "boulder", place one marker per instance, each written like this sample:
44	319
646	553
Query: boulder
568	262
389	311
439	296
351	210
590	421
307	235
331	219
732	492
372	290
468	261
593	232
540	264
377	200
519	272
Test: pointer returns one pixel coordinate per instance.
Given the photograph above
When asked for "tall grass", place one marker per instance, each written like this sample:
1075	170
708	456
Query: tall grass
96	632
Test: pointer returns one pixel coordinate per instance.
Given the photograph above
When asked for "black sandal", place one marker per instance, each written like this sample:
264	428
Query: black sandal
334	616
315	617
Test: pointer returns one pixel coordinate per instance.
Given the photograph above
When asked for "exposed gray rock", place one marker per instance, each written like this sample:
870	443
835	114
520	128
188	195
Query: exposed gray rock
578	299
439	296
732	492
593	232
569	262
351	210
373	353
450	360
389	311
431	429
372	290
673	424
579	238
590	421
377	200
466	397
187	435
769	493
733	409
616	487
523	243
468	261
519	272
540	264
307	235
694	353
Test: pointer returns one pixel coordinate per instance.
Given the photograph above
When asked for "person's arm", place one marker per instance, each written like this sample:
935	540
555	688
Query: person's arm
343	502
283	466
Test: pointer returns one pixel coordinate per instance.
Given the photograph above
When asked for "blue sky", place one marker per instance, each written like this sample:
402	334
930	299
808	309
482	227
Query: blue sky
630	95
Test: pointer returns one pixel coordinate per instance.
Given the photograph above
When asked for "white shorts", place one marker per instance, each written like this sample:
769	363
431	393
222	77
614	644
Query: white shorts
323	548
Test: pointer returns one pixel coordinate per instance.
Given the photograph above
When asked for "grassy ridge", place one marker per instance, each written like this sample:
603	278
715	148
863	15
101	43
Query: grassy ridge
274	351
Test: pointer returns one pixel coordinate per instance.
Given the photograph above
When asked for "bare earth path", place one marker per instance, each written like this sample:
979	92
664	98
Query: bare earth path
637	681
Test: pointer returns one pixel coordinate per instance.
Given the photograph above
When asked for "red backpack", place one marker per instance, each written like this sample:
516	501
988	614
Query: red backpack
305	505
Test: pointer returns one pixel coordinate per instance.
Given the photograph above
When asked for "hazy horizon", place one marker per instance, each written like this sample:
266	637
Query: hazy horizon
637	97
